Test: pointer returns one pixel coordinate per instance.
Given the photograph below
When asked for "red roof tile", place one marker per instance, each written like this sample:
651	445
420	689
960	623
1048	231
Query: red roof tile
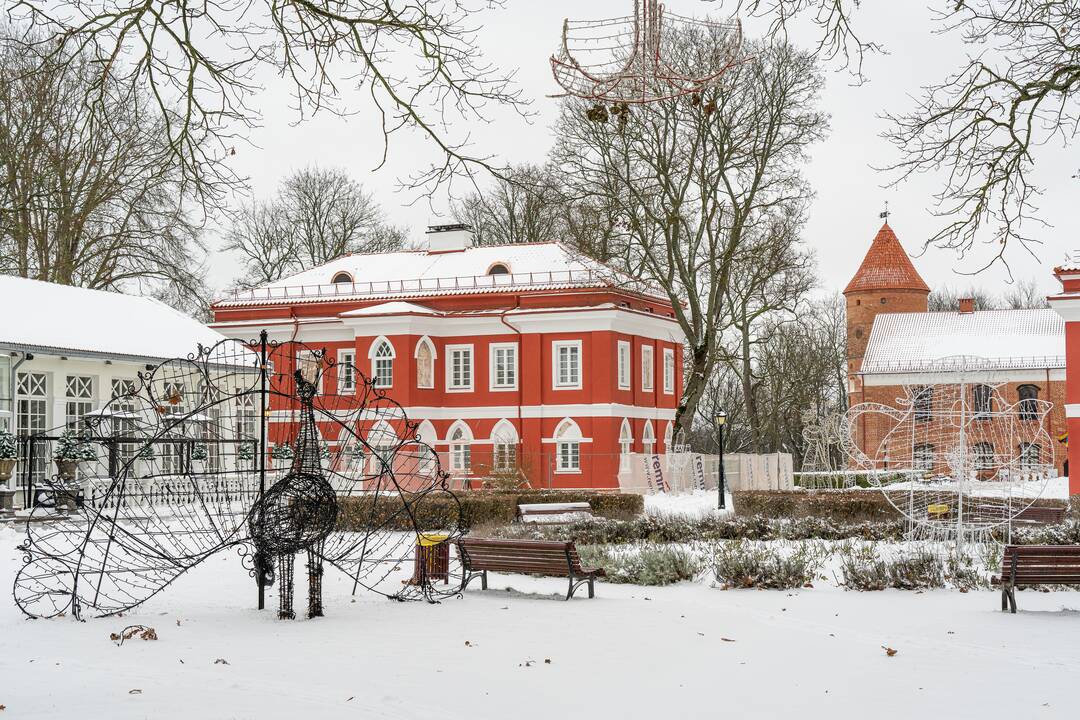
886	267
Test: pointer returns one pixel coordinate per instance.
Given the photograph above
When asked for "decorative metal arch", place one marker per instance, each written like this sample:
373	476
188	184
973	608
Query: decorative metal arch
188	462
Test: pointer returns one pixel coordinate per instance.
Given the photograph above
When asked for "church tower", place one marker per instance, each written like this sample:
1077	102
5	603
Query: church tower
886	282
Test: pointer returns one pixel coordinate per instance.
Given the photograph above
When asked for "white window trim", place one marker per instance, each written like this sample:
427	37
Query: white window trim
624	350
555	345
434	359
648	381
340	359
492	386
669	356
375	344
450	350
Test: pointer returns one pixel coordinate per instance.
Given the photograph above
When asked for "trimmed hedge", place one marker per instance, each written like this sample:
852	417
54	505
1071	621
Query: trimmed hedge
478	508
838	505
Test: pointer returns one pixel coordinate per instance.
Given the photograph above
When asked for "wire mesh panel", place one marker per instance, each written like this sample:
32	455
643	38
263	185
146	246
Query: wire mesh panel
243	446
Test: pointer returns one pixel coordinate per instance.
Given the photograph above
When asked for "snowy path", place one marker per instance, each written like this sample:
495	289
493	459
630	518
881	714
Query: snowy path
631	653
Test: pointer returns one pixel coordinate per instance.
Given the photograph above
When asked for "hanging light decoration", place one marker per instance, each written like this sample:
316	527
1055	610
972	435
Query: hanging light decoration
627	60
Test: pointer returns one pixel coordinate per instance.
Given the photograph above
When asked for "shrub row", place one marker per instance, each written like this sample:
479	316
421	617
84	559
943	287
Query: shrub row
743	564
478	508
674	529
643	564
865	569
839	505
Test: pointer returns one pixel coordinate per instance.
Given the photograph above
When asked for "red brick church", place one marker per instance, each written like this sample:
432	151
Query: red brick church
513	356
894	343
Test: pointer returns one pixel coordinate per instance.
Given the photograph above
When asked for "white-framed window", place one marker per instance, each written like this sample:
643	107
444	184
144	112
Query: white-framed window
381	440
382	362
568	447
623	356
626	445
647	368
79	395
504	364
566	364
122	403
459	368
460	438
346	372
425	363
504	443
669	370
32	414
648	439
923	457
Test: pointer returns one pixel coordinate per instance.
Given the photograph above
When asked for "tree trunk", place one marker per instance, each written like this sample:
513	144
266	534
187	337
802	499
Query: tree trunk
694	388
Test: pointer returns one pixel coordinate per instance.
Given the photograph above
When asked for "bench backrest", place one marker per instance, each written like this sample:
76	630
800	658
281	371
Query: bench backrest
1042	564
521	556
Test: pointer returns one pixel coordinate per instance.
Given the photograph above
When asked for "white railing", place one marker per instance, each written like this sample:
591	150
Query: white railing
419	286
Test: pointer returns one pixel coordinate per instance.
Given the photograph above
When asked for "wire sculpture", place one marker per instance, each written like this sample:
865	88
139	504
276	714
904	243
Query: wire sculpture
953	456
183	470
629	60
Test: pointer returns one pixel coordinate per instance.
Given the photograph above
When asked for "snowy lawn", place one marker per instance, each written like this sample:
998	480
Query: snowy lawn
687	650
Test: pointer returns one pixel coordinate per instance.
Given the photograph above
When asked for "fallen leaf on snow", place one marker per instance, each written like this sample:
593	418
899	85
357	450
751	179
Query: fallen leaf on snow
135	691
889	651
221	661
727	639
547	661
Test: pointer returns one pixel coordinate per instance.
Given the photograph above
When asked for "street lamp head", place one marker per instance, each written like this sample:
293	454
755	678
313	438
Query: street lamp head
720	418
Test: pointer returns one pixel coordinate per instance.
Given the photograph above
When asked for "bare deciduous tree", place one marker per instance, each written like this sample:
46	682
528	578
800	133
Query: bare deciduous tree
522	206
89	200
317	215
688	181
417	61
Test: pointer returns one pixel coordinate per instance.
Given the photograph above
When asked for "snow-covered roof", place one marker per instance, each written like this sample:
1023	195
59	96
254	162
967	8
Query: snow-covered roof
420	273
41	316
1003	339
394	307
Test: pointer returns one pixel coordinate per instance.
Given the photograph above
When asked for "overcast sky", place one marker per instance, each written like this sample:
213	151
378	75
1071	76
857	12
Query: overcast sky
850	193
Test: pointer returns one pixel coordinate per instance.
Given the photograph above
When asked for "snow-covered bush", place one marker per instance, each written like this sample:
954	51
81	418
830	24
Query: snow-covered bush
69	447
745	564
643	564
199	451
863	568
284	451
8	448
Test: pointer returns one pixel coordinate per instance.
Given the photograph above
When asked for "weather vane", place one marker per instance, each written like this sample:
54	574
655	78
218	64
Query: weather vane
884	215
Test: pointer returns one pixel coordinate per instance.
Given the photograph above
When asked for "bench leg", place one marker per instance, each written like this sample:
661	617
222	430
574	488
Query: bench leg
592	591
472	576
570	592
1012	599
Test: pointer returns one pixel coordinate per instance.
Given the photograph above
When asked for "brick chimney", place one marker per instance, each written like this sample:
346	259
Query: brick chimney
967	306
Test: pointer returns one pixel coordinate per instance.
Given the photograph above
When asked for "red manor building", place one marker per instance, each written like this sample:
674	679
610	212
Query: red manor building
895	343
511	356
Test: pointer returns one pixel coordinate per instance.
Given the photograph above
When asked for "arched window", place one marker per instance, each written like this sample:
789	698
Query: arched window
382	362
669	436
568	447
504	443
382	440
923	457
626	445
922	402
425	363
342	278
460	438
498	269
1029	456
648	439
983	400
1029	402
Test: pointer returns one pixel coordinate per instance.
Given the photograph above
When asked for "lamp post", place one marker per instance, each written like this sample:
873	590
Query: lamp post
720	419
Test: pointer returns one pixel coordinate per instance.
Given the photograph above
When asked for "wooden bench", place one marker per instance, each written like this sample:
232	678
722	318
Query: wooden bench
527	557
1041	515
554	513
1036	565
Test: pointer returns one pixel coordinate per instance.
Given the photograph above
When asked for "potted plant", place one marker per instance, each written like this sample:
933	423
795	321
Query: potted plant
70	451
9	451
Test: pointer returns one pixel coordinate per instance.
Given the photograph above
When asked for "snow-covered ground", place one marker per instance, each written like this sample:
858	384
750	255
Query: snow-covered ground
685	651
695	504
